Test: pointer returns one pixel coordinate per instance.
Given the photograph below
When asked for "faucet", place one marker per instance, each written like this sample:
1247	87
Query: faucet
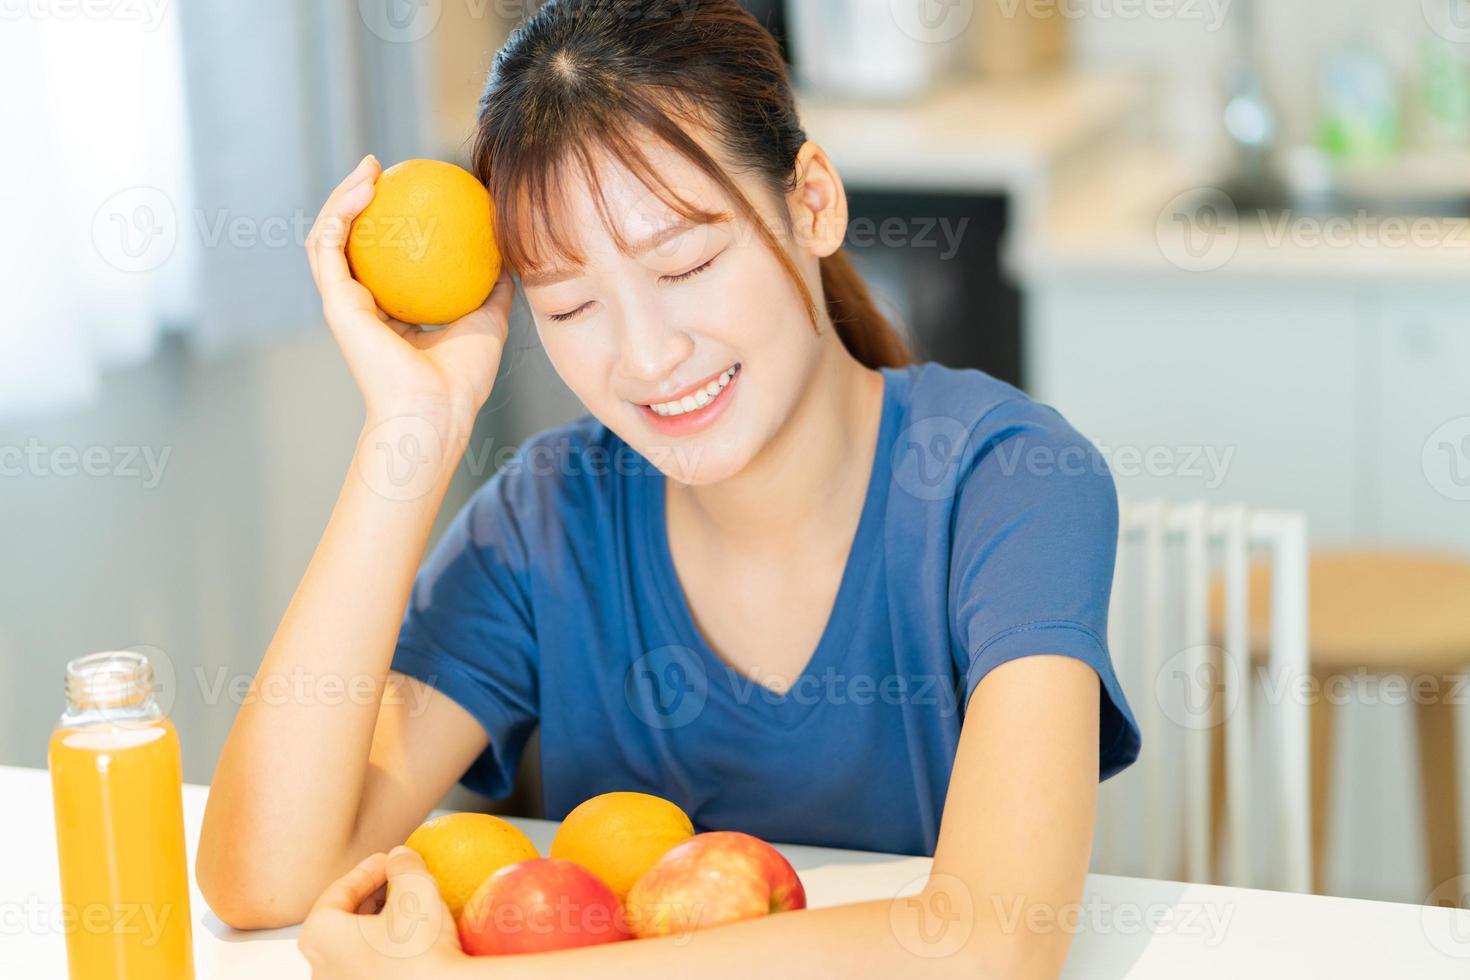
1251	121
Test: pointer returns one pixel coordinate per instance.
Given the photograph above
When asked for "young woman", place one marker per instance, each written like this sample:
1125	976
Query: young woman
779	575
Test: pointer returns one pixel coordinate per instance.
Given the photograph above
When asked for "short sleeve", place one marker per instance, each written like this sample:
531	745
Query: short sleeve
1035	536
468	631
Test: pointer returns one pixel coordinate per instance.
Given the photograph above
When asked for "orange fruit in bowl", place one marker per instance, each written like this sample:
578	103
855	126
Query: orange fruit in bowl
463	849
618	836
425	244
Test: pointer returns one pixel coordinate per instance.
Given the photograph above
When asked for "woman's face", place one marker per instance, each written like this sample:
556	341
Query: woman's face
694	346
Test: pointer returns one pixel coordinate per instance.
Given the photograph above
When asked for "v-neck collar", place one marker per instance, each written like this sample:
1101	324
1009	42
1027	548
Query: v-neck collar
728	683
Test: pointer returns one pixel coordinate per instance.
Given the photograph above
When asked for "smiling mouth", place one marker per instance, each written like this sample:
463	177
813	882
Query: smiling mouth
698	398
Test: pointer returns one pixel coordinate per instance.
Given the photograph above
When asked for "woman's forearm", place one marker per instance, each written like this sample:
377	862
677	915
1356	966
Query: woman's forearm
287	788
936	934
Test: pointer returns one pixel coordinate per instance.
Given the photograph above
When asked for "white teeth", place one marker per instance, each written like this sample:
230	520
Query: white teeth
696	401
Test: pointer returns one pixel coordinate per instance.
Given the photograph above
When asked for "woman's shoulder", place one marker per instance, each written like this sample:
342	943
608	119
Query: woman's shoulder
976	407
969	425
965	395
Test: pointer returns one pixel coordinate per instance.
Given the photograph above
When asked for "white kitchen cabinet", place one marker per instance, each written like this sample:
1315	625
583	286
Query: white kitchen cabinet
1421	442
1200	387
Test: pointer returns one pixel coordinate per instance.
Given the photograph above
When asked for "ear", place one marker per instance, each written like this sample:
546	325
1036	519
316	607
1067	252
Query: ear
818	205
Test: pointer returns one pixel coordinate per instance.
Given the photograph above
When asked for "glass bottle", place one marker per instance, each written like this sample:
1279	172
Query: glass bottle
117	790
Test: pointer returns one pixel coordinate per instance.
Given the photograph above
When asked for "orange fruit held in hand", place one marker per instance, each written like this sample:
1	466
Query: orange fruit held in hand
425	244
463	849
618	836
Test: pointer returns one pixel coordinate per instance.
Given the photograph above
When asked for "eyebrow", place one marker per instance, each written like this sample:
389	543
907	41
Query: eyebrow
546	277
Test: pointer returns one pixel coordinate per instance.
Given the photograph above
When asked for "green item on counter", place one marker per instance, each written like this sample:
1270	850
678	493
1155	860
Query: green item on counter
1445	83
1360	112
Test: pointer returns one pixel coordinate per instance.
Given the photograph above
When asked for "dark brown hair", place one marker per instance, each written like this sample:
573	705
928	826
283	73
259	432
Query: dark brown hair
579	75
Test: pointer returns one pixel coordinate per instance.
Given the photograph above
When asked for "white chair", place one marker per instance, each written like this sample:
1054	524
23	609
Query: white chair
1155	818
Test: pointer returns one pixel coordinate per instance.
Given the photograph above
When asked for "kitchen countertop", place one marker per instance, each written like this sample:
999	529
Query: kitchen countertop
1127	927
1090	194
970	136
1139	209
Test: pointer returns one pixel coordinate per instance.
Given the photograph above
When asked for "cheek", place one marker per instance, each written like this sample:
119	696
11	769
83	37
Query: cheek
581	360
748	303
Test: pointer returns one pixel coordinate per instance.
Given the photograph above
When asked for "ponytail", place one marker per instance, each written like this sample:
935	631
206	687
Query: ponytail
864	331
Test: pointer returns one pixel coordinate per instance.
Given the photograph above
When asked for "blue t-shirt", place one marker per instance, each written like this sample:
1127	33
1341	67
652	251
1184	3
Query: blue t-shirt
988	533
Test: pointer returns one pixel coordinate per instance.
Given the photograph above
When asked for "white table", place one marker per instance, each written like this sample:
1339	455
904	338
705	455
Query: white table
1129	927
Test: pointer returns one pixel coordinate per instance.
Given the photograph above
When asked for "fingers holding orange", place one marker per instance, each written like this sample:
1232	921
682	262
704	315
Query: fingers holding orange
329	233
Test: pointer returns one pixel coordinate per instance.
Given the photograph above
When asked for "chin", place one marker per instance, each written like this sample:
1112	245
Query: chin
695	463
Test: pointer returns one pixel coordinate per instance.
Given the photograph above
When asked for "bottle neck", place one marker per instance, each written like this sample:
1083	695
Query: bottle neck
111	687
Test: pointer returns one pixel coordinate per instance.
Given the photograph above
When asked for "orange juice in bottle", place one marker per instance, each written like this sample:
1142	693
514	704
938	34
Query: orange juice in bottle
116	784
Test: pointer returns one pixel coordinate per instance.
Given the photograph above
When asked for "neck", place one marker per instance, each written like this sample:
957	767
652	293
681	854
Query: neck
818	460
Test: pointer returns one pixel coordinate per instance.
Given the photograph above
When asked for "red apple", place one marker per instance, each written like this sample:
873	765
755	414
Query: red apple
710	879
538	905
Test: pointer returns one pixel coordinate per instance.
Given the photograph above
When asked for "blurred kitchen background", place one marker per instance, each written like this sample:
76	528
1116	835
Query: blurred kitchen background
1230	241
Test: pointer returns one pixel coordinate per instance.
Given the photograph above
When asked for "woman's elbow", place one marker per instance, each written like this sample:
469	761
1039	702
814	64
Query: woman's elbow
245	900
1018	955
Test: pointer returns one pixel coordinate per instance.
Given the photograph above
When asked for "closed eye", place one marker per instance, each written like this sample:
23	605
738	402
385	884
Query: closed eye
563	317
691	273
681	277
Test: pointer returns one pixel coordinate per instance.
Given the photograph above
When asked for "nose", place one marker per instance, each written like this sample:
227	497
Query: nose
650	347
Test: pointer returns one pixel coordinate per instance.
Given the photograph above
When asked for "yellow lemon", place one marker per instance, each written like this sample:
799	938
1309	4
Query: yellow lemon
463	849
618	836
425	244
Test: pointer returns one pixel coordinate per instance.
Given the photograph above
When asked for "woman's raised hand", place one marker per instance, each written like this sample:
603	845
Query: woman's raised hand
443	373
